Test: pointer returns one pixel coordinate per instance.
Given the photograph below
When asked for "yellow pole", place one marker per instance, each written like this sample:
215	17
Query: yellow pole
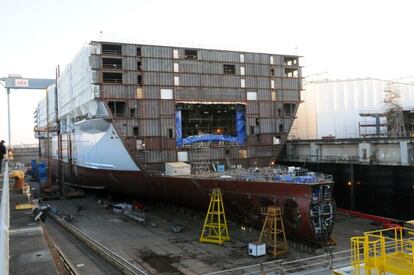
366	255
225	221
412	255
206	219
383	251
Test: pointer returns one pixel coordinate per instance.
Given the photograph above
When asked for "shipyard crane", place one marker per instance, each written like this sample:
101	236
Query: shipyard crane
17	82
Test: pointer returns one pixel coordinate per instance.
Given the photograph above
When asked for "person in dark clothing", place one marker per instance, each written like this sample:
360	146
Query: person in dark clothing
3	151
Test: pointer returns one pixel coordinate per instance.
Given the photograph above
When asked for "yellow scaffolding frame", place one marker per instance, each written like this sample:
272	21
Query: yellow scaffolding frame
273	231
380	251
215	224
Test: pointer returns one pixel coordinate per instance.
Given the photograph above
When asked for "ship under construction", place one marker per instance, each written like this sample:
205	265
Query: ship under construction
171	123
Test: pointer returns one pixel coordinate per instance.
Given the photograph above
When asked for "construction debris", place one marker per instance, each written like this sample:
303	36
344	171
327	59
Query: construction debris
177	228
41	212
134	212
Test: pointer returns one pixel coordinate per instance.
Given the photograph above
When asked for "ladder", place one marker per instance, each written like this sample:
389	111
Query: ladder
215	224
273	232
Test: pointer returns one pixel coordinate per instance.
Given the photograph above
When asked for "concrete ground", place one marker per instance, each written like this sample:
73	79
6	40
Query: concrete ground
349	226
158	249
82	258
29	252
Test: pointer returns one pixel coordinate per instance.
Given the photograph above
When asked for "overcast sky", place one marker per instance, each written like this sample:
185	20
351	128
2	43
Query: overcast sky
345	38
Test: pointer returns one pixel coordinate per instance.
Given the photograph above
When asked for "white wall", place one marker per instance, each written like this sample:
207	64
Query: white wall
333	107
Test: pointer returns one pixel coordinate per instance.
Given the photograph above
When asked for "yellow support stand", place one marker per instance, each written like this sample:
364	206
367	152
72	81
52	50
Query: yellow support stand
215	225
273	232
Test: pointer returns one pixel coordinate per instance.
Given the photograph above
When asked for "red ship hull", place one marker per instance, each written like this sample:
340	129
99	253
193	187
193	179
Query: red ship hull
244	200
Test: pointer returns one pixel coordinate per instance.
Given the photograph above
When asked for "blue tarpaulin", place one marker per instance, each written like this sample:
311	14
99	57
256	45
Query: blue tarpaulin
39	171
240	127
200	138
239	139
295	179
178	129
305	179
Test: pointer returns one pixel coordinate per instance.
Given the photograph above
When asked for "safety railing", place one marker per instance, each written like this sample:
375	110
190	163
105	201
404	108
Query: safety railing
313	158
278	173
323	263
5	222
388	250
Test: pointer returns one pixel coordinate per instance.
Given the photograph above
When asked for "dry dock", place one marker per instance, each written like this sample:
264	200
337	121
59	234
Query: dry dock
152	247
160	251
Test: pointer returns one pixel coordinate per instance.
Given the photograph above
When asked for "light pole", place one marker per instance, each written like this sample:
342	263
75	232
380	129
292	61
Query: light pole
8	116
8	111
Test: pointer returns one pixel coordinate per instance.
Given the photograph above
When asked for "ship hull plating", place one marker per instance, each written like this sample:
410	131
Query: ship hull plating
245	201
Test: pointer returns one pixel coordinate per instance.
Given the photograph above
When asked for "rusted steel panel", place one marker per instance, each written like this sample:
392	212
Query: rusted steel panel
148	109
252	107
168	127
149	127
264	94
151	92
167	107
156	51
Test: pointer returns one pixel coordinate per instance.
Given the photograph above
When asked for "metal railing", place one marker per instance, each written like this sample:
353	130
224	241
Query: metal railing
112	66
5	222
278	173
385	249
345	159
323	263
326	262
112	52
314	158
115	259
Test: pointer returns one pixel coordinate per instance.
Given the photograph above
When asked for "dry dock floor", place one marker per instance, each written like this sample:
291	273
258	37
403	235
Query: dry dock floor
154	246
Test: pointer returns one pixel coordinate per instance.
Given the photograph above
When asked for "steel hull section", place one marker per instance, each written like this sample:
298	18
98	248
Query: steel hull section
244	201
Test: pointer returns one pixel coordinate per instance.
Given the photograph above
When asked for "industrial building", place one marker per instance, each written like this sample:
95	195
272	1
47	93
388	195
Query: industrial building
337	108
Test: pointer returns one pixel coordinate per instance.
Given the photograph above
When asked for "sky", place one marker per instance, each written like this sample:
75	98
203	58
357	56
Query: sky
347	39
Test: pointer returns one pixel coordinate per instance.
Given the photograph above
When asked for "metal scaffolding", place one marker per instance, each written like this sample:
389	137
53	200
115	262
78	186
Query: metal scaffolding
200	157
394	111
